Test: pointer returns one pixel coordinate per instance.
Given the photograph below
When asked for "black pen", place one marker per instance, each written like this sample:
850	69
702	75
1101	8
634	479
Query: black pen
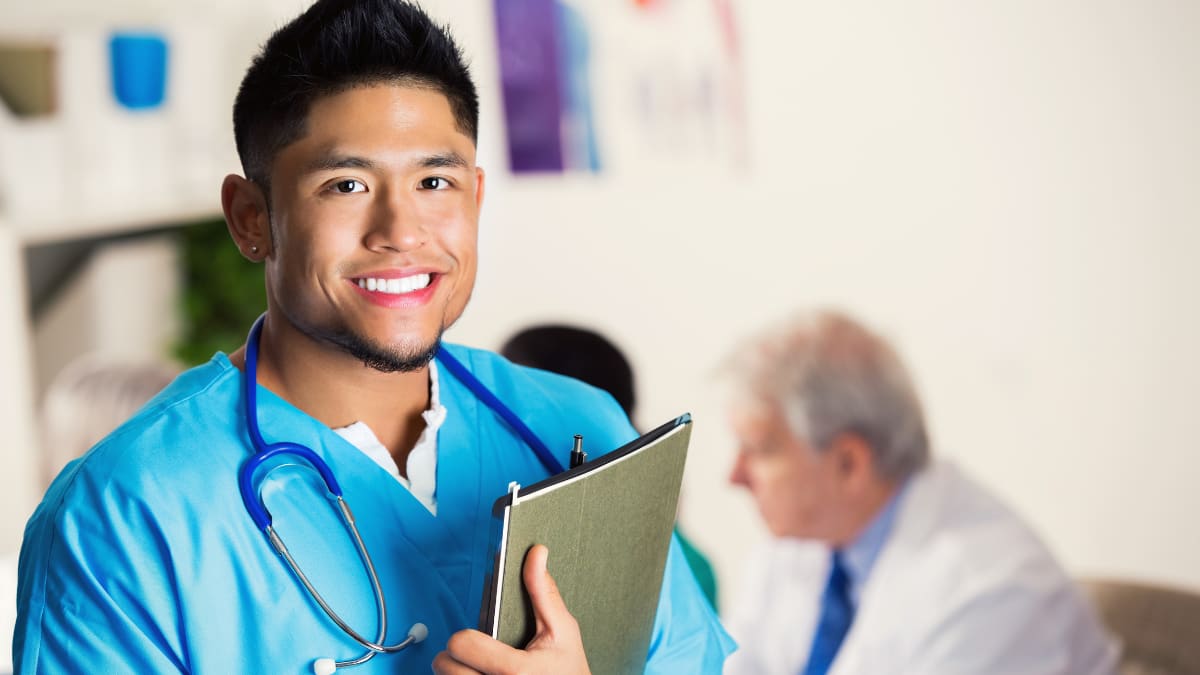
578	456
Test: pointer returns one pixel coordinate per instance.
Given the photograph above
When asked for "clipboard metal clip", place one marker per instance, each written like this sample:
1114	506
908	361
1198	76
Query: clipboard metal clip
514	488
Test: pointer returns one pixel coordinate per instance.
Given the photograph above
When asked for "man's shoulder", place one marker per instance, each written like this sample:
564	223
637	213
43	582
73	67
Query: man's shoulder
202	398
968	540
505	377
543	398
493	369
964	510
974	565
184	423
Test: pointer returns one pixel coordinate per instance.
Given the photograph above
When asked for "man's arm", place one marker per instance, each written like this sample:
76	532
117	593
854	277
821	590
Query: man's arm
688	637
1028	628
87	599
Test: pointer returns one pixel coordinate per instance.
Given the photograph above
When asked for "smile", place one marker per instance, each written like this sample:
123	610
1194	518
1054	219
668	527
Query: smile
399	286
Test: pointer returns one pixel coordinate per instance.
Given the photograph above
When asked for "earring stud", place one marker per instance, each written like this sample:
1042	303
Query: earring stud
254	250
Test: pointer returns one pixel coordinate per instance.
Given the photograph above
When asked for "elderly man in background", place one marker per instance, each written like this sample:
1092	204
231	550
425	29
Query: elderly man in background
881	560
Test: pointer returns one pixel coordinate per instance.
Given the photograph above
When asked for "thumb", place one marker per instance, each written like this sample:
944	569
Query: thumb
549	610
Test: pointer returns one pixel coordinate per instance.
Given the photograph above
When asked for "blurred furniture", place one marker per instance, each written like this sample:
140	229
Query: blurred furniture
76	169
1159	627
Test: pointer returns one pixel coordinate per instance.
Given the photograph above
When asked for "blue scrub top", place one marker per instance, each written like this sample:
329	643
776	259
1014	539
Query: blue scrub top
141	557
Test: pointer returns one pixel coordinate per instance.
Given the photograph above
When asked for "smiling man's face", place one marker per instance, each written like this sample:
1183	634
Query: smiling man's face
375	217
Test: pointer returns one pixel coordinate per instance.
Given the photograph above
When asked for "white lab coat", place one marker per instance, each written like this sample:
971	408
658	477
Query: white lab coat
961	586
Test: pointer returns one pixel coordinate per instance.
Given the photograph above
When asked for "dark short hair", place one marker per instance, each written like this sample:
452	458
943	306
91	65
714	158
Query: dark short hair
575	352
333	46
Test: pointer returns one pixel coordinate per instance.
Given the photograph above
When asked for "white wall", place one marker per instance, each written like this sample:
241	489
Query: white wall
1006	189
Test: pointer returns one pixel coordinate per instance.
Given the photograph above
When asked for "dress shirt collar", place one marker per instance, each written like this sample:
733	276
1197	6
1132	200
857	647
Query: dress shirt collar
860	555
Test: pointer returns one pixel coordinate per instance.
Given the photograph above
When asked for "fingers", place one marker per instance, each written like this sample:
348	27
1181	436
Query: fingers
556	648
549	610
445	664
469	651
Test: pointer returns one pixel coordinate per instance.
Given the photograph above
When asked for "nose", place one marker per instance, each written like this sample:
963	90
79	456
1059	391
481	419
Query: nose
396	226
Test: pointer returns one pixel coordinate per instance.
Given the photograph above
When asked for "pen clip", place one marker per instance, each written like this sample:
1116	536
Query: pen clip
578	456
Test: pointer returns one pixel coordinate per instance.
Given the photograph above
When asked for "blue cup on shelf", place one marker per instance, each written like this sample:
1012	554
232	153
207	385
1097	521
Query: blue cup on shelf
139	69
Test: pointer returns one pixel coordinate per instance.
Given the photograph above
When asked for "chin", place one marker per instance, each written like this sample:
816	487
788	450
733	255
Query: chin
388	352
790	531
404	338
779	531
410	344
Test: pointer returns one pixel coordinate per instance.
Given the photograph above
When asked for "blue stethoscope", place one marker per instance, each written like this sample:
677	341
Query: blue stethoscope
264	452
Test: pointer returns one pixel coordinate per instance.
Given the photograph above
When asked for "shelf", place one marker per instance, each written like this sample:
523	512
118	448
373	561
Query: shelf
114	219
81	166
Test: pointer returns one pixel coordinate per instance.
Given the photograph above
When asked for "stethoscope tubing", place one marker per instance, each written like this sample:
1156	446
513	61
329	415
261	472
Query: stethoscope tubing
264	453
456	368
257	509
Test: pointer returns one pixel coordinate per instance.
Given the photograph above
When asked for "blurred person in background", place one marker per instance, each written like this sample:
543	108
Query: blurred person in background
90	396
207	533
592	358
882	560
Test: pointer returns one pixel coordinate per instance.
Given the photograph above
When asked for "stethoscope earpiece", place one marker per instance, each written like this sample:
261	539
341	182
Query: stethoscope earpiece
325	666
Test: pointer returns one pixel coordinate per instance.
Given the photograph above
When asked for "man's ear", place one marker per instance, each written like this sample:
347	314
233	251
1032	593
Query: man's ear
855	460
246	216
479	183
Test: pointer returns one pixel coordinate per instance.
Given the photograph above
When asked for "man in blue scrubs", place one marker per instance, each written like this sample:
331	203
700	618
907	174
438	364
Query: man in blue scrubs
356	127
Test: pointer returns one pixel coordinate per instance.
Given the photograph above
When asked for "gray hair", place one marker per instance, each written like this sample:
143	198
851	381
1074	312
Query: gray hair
830	375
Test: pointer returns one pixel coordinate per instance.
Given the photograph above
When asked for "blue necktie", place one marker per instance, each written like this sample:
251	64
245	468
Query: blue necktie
837	613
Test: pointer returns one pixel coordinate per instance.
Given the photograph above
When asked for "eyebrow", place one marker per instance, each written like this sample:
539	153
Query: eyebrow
335	161
451	160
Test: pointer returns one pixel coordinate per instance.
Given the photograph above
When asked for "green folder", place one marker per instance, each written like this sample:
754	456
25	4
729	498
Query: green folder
608	526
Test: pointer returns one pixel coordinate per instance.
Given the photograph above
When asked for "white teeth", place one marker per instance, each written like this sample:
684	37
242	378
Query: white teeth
395	286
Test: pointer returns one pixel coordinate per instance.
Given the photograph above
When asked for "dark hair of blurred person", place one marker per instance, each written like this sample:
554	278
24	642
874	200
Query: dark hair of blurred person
575	352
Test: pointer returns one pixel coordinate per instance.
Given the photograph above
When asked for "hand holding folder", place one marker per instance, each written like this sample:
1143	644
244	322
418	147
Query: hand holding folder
556	646
608	526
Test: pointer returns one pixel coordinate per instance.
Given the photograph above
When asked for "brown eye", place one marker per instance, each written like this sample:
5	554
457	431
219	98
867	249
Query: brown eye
434	183
348	186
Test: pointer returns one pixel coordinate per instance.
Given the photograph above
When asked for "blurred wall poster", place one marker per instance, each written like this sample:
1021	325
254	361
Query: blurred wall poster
681	66
644	85
545	79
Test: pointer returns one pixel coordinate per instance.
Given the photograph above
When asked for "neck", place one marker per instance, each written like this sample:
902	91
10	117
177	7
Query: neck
869	504
336	389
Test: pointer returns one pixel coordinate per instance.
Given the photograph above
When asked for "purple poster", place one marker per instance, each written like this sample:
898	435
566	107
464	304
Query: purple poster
527	34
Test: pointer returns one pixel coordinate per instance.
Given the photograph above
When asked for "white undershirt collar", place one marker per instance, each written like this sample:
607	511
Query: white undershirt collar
422	461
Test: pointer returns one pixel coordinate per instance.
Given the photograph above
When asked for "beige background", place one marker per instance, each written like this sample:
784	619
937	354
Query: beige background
1006	189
